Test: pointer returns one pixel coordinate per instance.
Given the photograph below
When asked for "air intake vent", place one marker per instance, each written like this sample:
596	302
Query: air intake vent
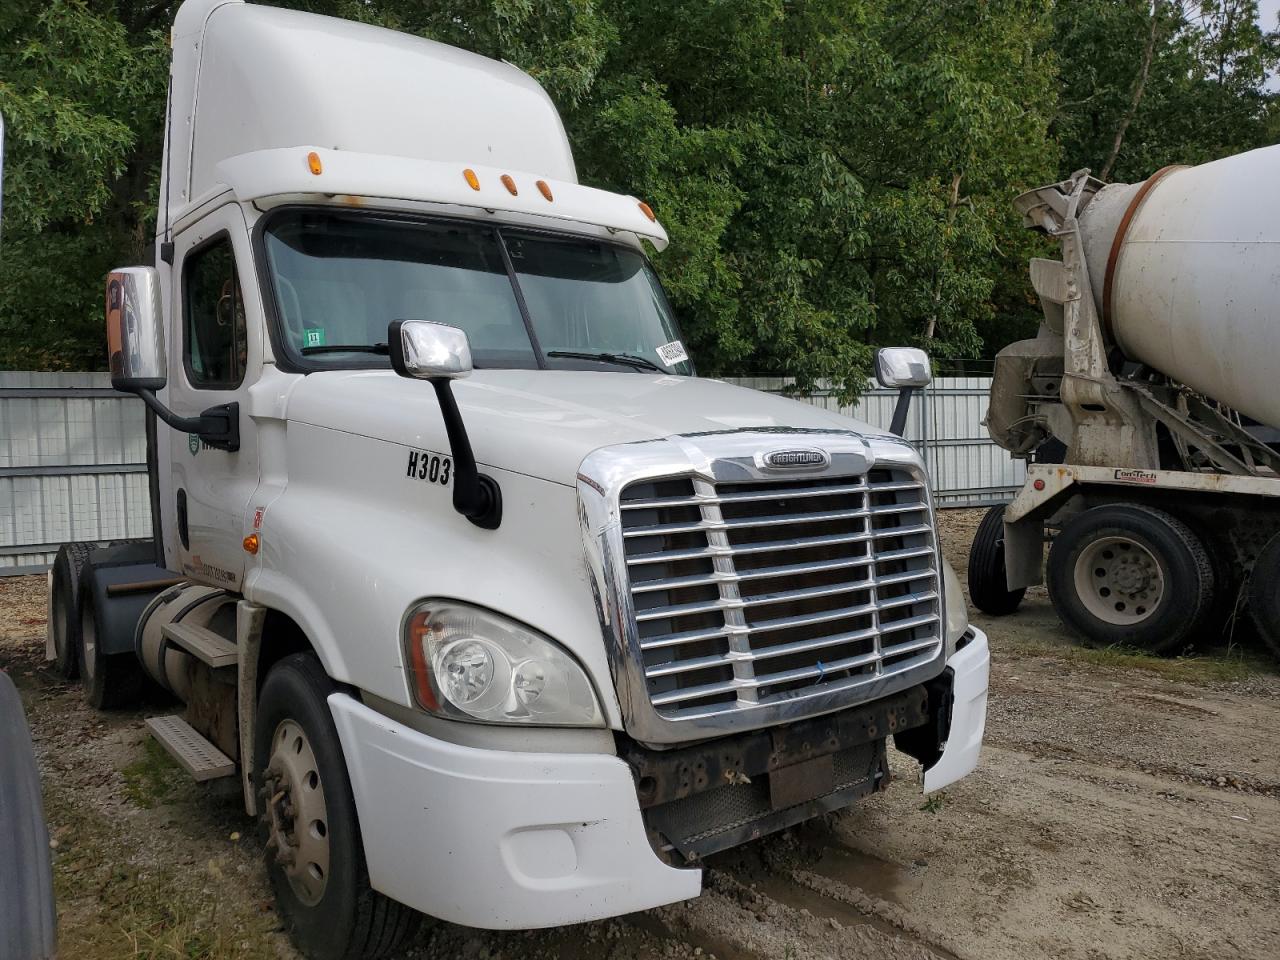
756	593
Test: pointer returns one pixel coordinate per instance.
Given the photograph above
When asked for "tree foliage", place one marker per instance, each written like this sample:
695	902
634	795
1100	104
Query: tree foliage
834	174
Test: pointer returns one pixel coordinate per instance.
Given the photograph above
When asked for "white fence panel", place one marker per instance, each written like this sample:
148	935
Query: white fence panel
73	455
966	467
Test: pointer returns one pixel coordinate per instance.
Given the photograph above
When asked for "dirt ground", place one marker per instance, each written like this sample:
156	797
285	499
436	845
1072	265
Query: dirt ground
1125	807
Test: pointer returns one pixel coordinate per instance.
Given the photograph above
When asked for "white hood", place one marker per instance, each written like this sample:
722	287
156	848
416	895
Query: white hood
544	422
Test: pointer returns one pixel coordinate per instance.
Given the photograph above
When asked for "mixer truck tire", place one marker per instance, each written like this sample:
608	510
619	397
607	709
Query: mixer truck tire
988	586
110	680
1130	574
1264	595
65	620
314	854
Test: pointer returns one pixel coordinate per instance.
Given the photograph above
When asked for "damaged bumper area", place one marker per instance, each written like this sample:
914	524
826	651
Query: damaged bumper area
710	797
498	839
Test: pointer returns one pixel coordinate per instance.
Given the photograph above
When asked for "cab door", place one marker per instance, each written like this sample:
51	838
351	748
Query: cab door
215	355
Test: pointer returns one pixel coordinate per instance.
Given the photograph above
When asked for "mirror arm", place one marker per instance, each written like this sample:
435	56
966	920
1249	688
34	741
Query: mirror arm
898	425
475	495
218	426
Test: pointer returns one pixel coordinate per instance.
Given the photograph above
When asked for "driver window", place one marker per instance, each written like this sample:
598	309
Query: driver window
215	342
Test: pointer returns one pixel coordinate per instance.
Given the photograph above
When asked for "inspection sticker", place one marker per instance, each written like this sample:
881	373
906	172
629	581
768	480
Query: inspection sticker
672	353
313	337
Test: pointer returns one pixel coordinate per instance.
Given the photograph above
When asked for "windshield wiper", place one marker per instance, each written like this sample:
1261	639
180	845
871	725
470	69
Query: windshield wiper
379	348
622	359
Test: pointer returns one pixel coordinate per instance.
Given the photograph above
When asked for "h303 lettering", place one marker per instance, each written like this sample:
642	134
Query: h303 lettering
430	467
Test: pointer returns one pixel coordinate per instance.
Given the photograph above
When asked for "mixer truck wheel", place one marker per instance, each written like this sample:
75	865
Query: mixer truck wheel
1130	574
988	588
64	612
1264	595
315	857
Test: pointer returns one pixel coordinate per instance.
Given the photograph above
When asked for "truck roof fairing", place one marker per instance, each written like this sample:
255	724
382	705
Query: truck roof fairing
271	177
249	78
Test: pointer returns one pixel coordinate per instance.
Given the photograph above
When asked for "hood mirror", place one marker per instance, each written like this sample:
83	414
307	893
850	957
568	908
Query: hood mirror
423	350
904	369
440	354
898	367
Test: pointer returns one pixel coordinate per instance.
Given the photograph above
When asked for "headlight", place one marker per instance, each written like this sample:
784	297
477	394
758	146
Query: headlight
469	664
957	612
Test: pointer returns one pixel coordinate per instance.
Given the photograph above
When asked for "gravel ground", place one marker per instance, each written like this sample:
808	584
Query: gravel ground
1125	807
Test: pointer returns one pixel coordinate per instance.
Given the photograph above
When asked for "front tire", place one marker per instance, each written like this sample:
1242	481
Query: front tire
1131	574
315	858
988	583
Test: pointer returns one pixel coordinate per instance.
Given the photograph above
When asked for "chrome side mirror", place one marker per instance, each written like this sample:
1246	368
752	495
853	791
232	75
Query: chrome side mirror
440	354
898	367
903	369
423	350
135	337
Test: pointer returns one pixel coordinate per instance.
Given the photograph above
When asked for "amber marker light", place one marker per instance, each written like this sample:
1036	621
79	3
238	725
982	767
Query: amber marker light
545	190
509	184
648	211
250	543
314	164
472	180
418	629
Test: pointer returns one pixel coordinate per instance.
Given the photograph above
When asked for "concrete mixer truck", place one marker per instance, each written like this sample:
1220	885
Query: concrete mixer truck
1147	405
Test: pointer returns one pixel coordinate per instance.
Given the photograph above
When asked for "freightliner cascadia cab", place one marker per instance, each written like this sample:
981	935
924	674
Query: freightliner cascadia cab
498	611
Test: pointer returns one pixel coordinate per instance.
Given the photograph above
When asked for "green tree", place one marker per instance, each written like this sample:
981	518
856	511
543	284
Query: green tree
834	174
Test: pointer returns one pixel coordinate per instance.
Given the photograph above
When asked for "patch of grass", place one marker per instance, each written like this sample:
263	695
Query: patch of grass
1221	666
934	803
111	907
151	779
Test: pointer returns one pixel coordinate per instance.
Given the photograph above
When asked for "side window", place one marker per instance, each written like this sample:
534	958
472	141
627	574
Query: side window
216	339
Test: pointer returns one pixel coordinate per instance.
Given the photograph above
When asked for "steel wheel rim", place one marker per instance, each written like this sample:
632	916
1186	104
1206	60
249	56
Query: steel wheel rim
1119	580
296	813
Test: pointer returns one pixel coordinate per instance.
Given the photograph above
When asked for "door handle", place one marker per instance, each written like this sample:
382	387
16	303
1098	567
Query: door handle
183	534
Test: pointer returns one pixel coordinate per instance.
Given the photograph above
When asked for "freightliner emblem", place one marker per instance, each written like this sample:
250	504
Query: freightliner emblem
796	458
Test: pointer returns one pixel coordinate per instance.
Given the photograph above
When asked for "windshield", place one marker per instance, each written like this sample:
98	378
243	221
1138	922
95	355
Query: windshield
525	299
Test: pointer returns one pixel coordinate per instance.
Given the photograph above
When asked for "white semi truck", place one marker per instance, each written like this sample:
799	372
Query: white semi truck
496	611
1148	402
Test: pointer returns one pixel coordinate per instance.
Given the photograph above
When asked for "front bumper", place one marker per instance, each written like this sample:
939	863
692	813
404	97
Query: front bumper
497	839
504	840
970	667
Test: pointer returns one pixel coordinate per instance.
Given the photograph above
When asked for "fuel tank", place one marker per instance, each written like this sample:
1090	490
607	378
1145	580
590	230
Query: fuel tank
1185	272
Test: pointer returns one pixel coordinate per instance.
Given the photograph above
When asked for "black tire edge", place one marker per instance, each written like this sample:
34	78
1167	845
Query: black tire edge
28	914
988	585
68	564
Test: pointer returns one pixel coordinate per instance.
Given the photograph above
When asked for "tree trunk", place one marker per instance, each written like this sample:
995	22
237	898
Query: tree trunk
932	326
1138	89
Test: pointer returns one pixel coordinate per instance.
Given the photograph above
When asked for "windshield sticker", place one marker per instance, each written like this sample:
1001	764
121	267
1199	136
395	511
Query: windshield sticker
672	353
313	337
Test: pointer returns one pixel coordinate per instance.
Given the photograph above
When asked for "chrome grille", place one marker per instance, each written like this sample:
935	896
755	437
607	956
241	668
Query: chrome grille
754	593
